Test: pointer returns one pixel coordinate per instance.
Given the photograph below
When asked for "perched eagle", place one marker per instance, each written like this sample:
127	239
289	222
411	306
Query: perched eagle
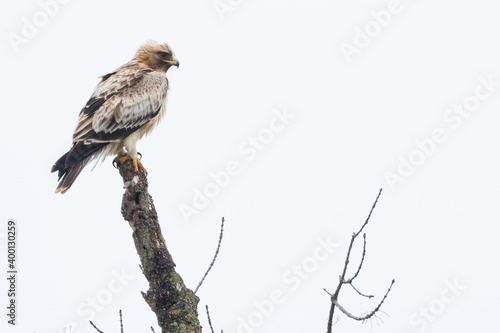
126	104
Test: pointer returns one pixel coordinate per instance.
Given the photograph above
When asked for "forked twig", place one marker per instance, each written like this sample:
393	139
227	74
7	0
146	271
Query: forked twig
370	314
342	278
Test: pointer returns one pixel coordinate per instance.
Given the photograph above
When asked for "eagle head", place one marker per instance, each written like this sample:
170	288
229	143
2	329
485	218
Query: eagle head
156	56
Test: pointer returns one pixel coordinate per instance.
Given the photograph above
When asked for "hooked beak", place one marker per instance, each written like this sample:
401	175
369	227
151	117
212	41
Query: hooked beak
175	62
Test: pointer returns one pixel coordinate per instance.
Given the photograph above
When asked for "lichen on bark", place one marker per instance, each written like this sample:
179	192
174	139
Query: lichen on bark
173	303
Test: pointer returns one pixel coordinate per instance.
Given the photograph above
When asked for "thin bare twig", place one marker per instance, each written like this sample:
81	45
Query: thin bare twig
152	329
209	320
98	330
360	293
121	322
370	214
362	260
215	257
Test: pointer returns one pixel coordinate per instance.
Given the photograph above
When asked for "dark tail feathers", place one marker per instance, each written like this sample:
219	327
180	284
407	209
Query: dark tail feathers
72	163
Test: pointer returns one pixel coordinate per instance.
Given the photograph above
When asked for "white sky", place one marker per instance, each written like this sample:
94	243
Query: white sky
352	121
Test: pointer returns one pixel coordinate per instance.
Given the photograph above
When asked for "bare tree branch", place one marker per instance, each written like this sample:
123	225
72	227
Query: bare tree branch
173	303
360	293
347	313
98	330
121	322
370	314
209	320
342	278
215	257
361	262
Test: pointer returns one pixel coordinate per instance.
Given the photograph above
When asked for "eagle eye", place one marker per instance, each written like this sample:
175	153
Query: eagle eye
163	55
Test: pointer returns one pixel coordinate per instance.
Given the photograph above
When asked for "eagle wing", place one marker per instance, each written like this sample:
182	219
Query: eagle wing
123	102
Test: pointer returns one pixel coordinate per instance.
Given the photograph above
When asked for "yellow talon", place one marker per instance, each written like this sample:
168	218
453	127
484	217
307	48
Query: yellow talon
121	159
138	165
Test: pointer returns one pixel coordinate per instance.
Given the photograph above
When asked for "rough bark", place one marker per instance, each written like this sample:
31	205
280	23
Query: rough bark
175	305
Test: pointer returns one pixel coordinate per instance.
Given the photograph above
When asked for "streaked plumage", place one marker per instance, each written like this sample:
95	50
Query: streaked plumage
126	105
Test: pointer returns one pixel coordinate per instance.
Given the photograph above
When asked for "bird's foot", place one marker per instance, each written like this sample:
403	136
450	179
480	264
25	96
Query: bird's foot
120	159
138	165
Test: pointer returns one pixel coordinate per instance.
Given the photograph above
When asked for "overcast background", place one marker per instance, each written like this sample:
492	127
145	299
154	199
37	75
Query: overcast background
362	88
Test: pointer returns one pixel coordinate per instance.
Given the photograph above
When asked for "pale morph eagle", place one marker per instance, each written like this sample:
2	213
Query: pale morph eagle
126	104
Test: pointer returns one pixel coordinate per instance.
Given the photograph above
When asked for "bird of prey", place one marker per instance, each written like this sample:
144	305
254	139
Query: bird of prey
126	104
